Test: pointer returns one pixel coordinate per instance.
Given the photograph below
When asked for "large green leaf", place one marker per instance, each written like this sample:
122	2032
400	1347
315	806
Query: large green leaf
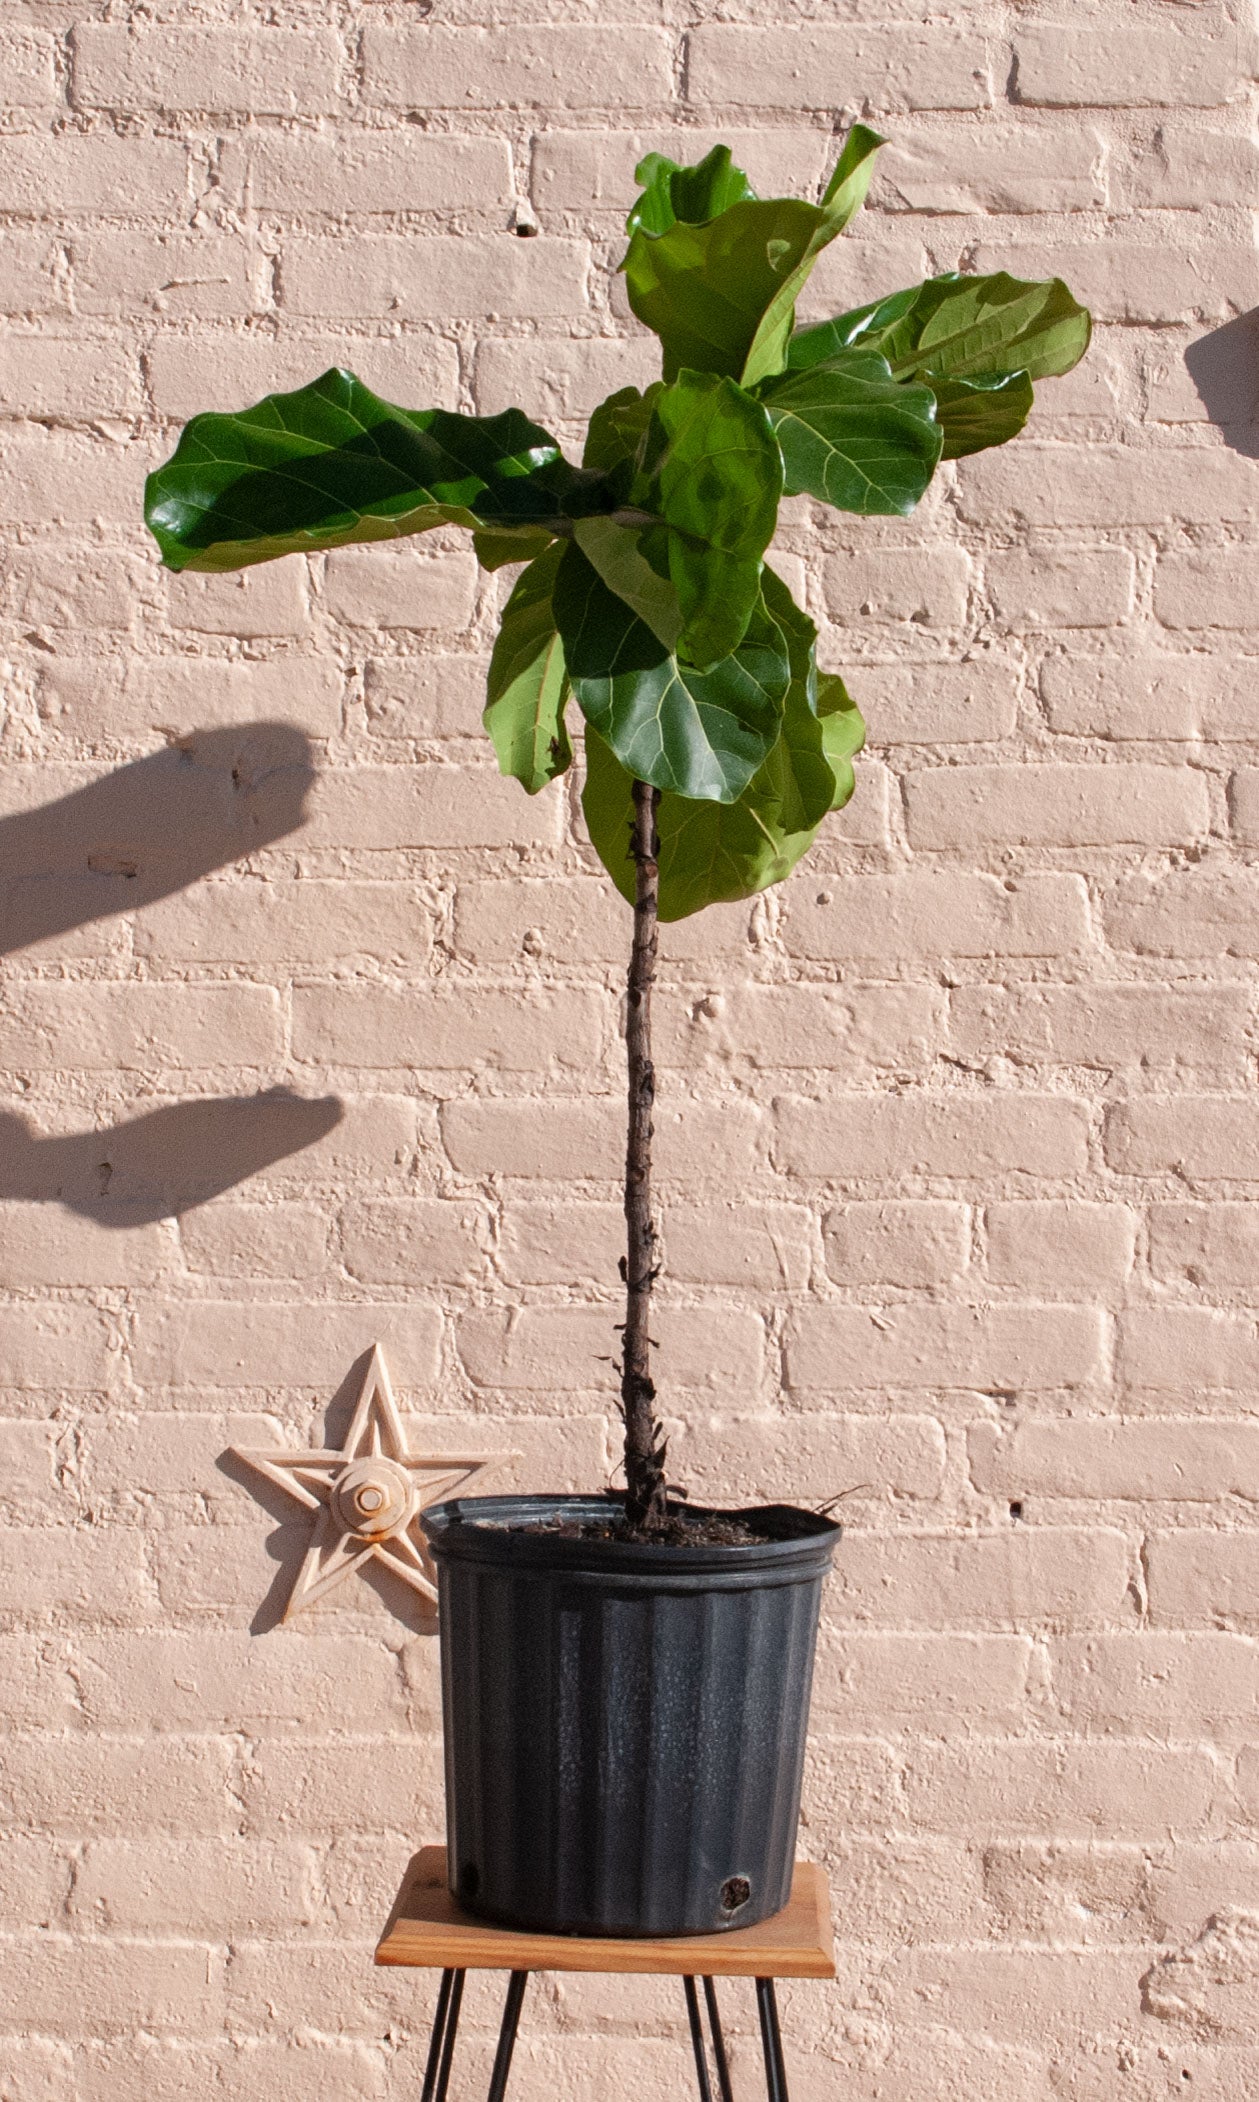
721	294
528	685
701	734
711	470
854	436
970	328
713	853
616	432
617	552
974	414
672	192
332	463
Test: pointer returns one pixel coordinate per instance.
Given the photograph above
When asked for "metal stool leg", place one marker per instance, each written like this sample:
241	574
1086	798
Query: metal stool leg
442	2043
719	2042
697	2039
771	2041
507	2035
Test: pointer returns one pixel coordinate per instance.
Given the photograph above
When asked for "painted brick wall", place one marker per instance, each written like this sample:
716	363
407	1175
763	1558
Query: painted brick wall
959	1136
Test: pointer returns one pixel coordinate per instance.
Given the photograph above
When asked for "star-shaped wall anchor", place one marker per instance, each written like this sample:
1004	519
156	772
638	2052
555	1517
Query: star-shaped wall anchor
368	1496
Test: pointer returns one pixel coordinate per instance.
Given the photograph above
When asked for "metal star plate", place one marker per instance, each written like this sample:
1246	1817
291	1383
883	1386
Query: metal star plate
368	1496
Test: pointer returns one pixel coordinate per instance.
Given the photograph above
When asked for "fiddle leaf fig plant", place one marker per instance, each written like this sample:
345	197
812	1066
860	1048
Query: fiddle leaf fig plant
714	746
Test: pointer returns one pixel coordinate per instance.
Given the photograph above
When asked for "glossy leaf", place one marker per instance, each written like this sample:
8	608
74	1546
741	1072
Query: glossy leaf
843	733
713	853
695	194
721	295
853	436
974	414
332	464
616	433
701	734
500	550
712	471
528	684
960	327
616	551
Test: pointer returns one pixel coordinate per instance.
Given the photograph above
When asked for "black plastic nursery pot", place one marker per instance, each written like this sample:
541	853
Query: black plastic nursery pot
624	1724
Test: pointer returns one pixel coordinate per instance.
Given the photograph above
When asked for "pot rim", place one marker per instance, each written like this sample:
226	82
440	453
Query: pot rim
475	1528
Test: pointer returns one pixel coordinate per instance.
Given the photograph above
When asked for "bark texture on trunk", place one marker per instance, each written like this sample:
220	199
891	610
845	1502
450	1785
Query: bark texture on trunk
644	1446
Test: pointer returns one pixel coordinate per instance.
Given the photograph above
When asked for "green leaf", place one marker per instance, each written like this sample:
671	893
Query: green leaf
616	432
721	295
672	192
702	734
332	463
711	470
616	551
843	733
961	327
854	436
713	853
498	550
527	685
974	414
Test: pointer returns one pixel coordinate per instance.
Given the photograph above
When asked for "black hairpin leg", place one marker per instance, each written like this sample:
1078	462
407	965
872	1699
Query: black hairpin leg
771	2040
719	2042
442	2043
507	2035
697	2041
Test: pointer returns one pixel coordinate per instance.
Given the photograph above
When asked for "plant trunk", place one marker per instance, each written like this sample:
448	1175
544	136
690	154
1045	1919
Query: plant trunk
644	1446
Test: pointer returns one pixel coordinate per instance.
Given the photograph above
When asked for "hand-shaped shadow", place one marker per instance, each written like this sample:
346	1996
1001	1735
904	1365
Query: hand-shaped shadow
150	828
164	1163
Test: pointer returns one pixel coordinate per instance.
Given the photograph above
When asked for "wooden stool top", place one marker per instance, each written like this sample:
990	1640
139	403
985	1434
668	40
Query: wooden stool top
427	1927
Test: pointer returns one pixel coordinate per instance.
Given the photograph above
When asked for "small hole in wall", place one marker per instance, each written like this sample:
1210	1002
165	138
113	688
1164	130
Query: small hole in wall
1016	1511
735	1892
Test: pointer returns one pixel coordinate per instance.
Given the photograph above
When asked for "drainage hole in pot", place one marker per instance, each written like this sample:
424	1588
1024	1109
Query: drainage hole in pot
469	1880
735	1892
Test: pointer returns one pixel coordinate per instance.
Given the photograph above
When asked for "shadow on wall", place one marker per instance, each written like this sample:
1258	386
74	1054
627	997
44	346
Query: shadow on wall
141	833
164	1163
1224	368
150	829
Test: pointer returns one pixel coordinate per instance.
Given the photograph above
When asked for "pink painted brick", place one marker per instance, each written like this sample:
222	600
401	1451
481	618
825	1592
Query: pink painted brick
435	278
868	1457
209	1887
118	274
1142	1684
97	1988
897	1242
286	923
27	70
153	1783
960	1136
555	922
576	1140
1029	167
138	1027
1063	805
1211	1138
217	1679
395	1240
1206	590
1115	1026
448	1027
255	1240
1211	910
428	806
888	586
787	1027
997	1348
1070	485
1178	165
1160	1459
1023	1576
426	696
100	175
557	66
404	170
219	371
259	71
1076	1246
900	66
1204	1579
52	376
907	1681
1213	1246
1147	696
967	703
51	1343
1188	1350
577	171
400	589
540	1350
1079	1791
1068	64
32	277
925	913
1086	588
208	1344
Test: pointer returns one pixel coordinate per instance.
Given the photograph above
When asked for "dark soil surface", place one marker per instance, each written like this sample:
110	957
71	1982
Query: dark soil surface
680	1529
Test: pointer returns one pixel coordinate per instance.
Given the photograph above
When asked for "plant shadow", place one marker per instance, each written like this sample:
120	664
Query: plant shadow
1224	367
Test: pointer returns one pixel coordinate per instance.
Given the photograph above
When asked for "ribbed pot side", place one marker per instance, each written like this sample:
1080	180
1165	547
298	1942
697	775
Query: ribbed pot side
624	1725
